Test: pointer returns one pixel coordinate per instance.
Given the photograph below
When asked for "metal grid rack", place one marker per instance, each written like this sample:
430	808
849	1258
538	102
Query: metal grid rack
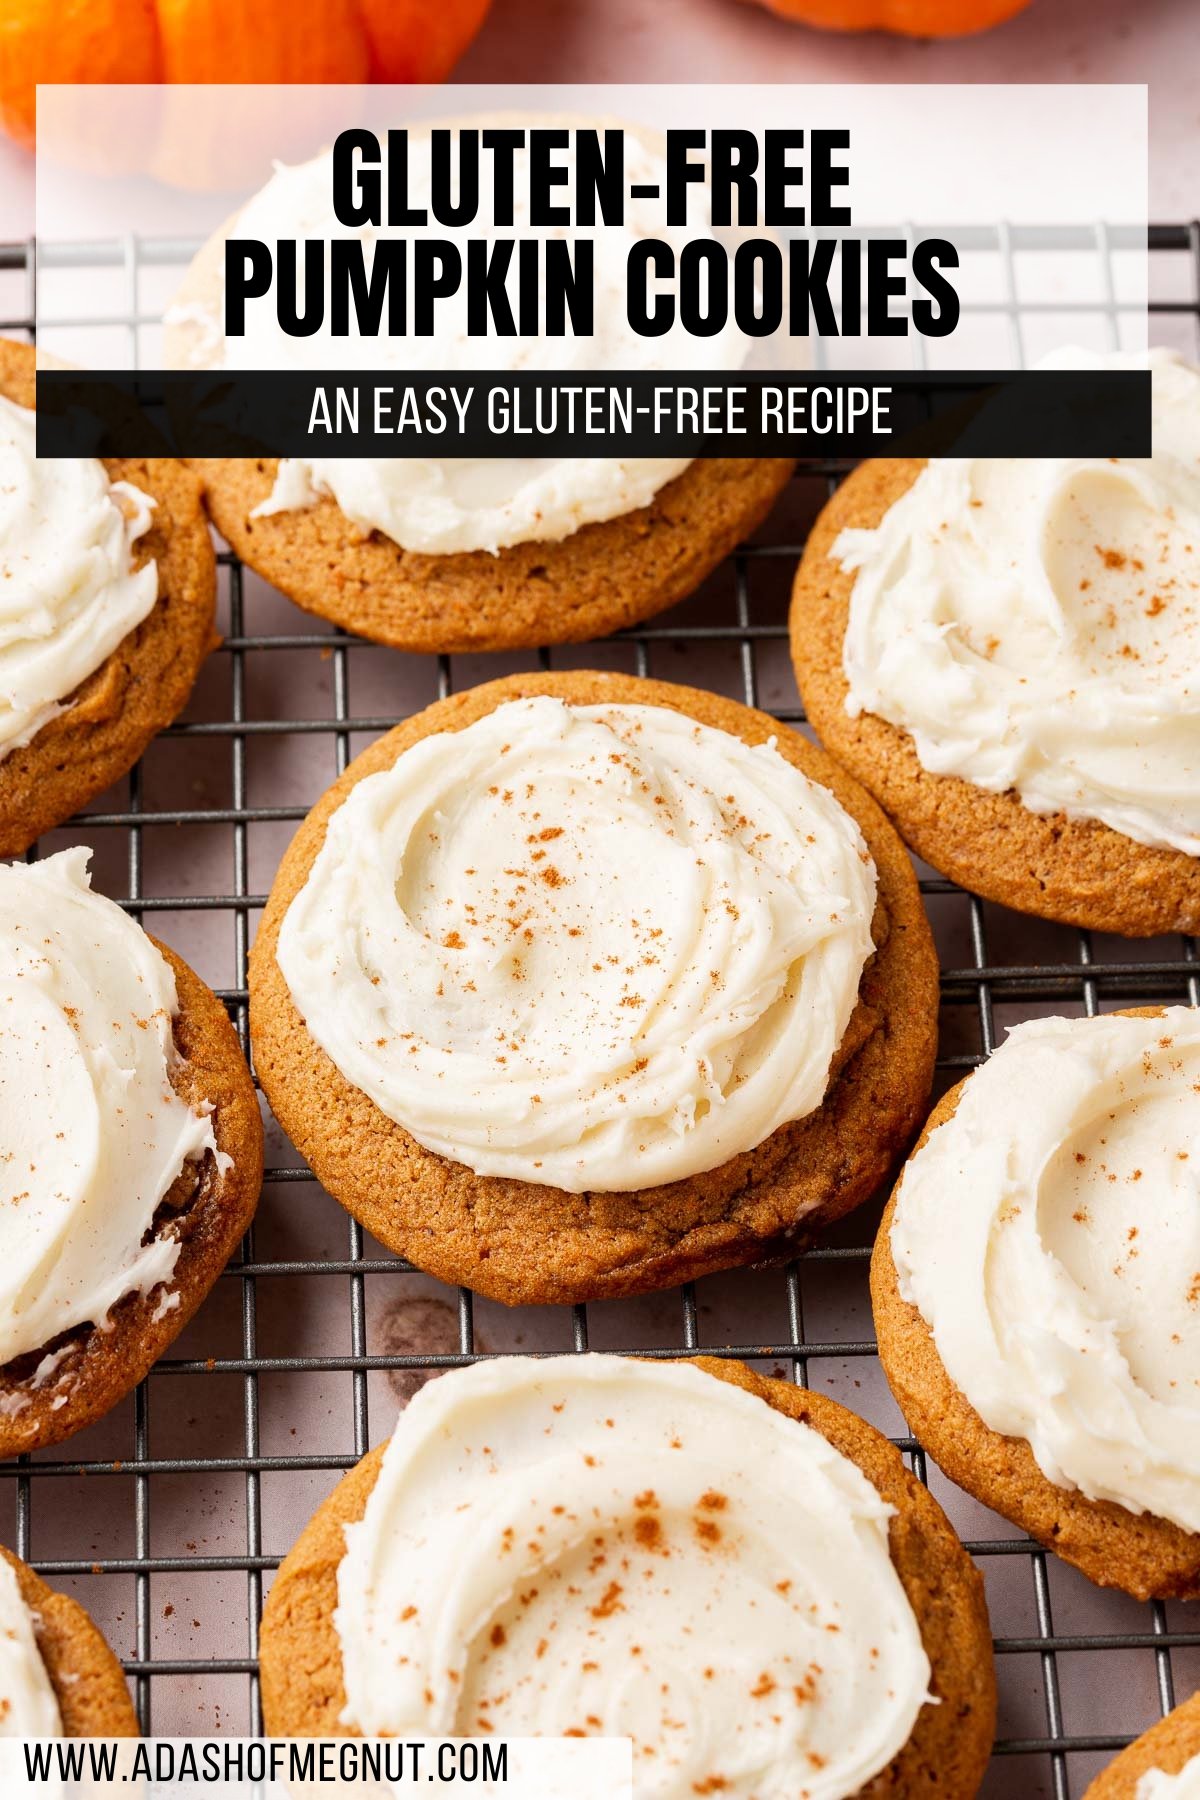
981	993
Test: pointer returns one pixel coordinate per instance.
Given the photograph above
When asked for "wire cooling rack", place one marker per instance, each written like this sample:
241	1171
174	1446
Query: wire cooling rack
169	1531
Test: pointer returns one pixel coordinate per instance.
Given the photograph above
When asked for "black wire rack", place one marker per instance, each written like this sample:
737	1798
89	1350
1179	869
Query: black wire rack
297	1370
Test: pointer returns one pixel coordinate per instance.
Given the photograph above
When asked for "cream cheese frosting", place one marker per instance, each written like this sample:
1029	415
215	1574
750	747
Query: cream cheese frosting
596	1546
596	947
28	1707
93	1133
440	505
1156	1784
1065	1302
68	589
1035	625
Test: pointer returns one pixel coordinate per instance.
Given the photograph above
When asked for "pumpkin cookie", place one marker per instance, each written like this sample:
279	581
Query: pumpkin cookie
578	985
134	1150
60	1677
642	1540
112	581
444	553
1004	653
1152	1766
1033	1275
600	579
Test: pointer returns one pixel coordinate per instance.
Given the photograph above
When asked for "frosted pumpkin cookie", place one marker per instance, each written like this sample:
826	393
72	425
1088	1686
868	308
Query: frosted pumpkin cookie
1007	653
107	593
1036	1289
1163	1764
736	1572
58	1677
443	553
132	1150
580	985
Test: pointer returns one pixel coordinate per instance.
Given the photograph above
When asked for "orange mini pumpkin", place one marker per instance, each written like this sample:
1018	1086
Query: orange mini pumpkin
145	41
909	18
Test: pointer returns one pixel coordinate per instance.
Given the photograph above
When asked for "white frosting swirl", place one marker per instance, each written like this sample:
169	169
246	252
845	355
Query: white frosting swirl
1156	1784
440	505
1035	625
28	1707
93	1133
68	589
1065	1303
462	504
587	1545
594	947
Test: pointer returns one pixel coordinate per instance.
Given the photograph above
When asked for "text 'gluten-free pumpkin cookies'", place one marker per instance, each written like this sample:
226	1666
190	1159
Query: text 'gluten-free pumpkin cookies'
1162	1764
1007	653
58	1677
1036	1288
107	592
738	1574
446	553
580	985
132	1150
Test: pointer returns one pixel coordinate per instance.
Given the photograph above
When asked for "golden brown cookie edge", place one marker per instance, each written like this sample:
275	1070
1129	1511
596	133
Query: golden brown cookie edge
598	580
1073	871
1168	1745
530	1244
145	682
1147	1557
300	1658
87	1679
106	1365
